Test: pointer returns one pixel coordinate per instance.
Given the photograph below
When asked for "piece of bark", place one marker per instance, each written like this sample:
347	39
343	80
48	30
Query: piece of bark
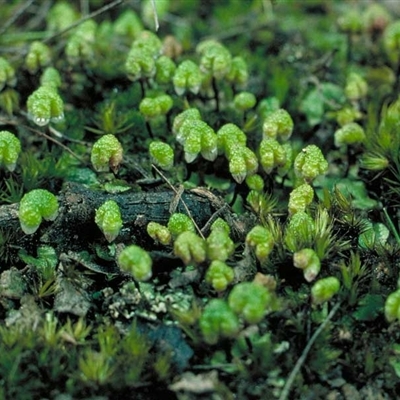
75	229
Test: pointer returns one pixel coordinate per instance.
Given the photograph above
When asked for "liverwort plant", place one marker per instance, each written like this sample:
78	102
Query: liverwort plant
190	248
310	163
349	134
219	275
10	147
271	154
38	57
218	321
219	245
108	219
300	198
136	261
34	206
162	155
308	261
45	105
7	74
262	241
187	77
250	301
107	152
179	223
324	289
278	124
159	233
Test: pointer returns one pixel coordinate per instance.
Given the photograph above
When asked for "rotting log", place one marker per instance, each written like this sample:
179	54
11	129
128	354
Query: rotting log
75	229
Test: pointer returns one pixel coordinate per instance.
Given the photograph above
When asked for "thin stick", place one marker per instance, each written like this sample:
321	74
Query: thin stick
56	142
156	24
85	18
179	194
288	385
15	16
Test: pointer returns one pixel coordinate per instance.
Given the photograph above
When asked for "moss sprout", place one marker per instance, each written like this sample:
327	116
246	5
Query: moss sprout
36	205
165	70
238	73
242	162
136	261
197	137
215	60
229	136
219	245
356	87
108	219
106	153
10	147
255	182
181	118
154	107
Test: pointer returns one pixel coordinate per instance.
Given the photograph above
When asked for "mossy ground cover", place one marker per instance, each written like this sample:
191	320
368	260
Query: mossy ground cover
223	184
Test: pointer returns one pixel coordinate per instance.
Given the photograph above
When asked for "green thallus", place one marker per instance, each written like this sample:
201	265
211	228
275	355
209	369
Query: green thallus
108	219
106	153
137	262
10	147
324	289
309	262
34	206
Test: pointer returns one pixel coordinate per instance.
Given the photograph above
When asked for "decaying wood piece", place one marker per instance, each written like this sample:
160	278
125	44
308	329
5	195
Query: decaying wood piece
75	229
